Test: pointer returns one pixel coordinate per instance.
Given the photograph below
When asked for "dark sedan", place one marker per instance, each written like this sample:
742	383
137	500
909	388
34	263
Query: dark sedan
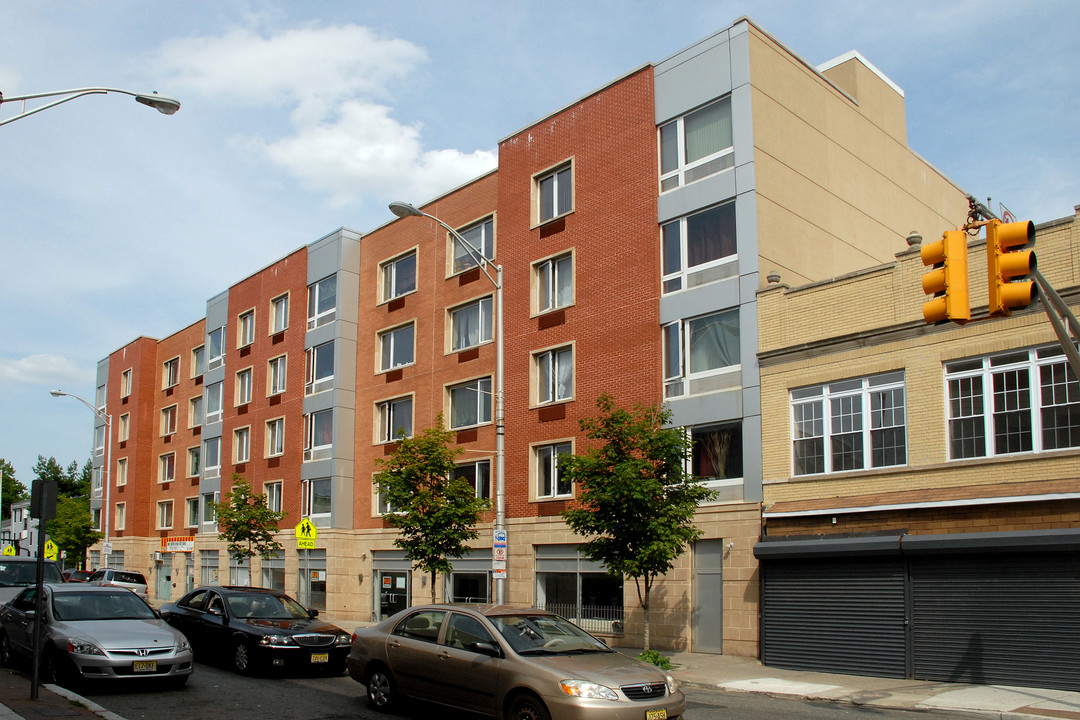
258	629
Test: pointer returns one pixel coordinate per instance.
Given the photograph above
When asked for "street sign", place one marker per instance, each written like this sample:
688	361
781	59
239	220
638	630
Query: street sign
306	535
500	538
9	550
499	554
51	550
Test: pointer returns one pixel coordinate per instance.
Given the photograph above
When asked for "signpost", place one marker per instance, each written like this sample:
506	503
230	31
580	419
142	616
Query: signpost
498	555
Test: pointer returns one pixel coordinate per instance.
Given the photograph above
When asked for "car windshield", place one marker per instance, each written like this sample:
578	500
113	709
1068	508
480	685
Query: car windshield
265	606
23	574
124	605
544	634
129	577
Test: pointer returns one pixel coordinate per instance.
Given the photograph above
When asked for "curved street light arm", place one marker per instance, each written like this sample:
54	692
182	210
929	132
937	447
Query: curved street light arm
162	103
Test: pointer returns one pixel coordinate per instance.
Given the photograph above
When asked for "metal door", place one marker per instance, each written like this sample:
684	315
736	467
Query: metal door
707	619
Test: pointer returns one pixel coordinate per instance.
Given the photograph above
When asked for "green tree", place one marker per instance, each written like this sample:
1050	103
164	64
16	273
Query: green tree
73	529
635	502
245	522
12	490
435	511
70	482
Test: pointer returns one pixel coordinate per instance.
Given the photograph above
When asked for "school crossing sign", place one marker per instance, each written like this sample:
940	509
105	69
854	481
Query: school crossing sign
305	535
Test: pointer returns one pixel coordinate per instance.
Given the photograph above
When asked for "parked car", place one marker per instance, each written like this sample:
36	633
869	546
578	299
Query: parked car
506	662
74	575
257	629
133	581
94	634
20	571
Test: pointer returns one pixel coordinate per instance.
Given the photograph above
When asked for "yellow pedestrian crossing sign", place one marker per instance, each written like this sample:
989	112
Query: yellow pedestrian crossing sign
51	550
306	534
9	550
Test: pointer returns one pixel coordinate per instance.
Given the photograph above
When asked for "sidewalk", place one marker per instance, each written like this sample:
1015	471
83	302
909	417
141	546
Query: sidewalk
52	701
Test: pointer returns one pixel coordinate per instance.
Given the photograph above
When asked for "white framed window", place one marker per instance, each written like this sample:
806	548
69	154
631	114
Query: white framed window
194	461
166	467
165	515
318	435
212	457
554	375
243	387
696	145
554	193
716	458
195	412
478	474
168	420
120	516
275	437
317	498
382	504
279	314
121	472
481	235
272	491
216	353
170	373
470	403
123	430
694	247
700	347
398	276
242	445
101	396
322	302
549	481
95	519
275	376
215	402
397	347
320	368
245	329
198	361
471	324
394	419
191	512
125	383
96	481
553	280
99	440
849	425
208	567
208	501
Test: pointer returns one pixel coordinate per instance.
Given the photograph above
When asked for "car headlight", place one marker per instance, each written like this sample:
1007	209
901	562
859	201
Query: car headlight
76	646
584	689
182	644
276	640
343	640
672	684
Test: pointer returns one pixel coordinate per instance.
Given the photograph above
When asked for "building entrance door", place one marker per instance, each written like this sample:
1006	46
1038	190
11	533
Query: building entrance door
393	592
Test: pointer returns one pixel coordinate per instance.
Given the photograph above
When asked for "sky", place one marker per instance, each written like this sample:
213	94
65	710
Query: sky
299	118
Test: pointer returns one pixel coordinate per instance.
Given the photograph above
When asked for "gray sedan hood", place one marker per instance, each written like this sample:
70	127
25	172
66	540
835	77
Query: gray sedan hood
120	634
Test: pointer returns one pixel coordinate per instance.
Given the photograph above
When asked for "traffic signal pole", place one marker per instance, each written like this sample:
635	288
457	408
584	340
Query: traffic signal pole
1057	310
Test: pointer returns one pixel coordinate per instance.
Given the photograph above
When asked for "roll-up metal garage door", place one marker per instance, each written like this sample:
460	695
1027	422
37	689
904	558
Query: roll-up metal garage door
840	614
997	618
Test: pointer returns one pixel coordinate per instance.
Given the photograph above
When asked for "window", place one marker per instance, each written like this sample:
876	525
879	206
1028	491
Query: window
216	341
121	472
481	235
317	500
209	512
96	481
198	361
164	515
693	244
125	383
242	444
320	368
554	280
239	571
275	376
555	193
398	276
191	512
212	457
166	467
549	482
245	329
311	585
170	373
95	520
699	346
395	419
208	567
716	457
318	435
322	302
478	474
101	396
273	572
1016	402
243	387
99	440
215	401
849	425
696	145
275	437
382	504
273	496
168	420
554	375
470	403
194	464
124	430
397	347
120	519
195	412
279	314
470	325
578	589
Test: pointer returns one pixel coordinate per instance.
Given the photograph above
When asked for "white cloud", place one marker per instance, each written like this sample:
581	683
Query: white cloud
41	369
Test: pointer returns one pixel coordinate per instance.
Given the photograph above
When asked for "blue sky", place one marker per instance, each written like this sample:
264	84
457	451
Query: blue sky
300	118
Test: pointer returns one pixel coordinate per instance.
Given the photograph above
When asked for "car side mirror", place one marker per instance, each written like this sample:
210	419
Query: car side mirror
313	613
31	615
485	648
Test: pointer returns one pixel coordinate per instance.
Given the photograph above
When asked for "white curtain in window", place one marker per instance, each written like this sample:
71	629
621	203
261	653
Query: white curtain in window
714	342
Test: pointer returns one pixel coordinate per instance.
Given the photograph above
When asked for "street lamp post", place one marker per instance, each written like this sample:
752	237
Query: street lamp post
106	548
403	210
162	103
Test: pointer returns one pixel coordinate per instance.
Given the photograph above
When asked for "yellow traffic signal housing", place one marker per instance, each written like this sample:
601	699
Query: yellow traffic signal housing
1004	264
948	281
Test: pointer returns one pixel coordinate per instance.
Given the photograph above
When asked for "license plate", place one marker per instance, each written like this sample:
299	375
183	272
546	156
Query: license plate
145	666
320	657
660	714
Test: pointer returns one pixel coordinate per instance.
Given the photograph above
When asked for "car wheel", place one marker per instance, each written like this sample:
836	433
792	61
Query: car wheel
527	707
380	689
242	658
5	649
58	670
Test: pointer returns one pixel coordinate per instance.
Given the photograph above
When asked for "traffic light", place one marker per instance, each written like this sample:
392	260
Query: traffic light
948	281
1004	264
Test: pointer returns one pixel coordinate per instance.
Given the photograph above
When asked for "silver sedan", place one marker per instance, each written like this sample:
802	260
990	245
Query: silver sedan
94	633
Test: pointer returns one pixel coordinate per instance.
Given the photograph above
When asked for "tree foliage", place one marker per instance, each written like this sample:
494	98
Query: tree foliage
12	490
435	511
73	528
246	523
635	501
71	482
